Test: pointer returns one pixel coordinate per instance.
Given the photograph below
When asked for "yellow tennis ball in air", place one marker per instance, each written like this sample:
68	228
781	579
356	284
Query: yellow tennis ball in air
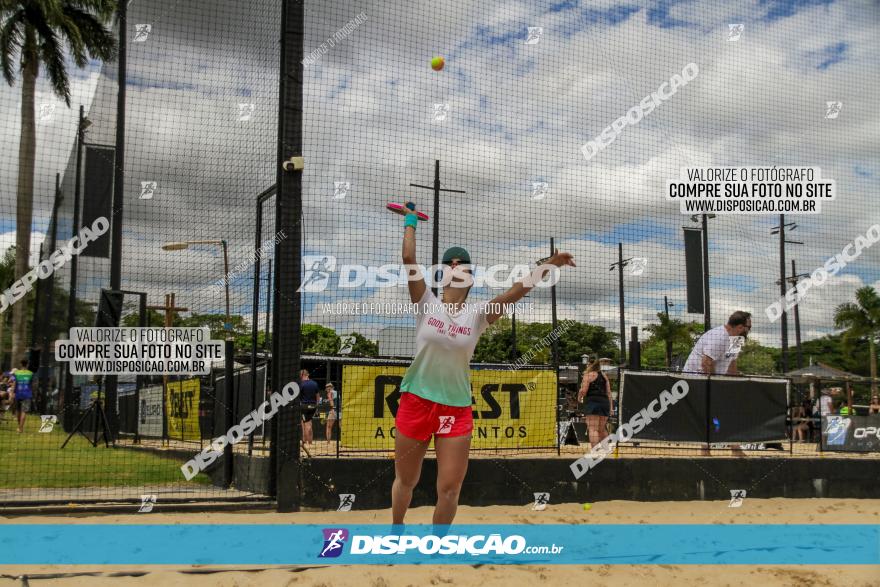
587	507
437	63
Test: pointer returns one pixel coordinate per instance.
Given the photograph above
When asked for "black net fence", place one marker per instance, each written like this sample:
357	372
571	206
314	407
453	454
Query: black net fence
694	164
200	140
566	124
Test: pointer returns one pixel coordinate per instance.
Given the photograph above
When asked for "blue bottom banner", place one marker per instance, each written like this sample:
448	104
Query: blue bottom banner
273	544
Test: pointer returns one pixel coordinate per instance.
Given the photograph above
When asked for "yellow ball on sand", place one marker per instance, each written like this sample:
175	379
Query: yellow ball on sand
437	63
587	507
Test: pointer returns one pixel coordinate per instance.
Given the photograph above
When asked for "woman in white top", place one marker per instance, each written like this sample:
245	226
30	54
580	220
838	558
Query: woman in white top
331	395
435	397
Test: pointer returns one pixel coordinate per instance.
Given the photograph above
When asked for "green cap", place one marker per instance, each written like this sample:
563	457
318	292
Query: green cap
456	253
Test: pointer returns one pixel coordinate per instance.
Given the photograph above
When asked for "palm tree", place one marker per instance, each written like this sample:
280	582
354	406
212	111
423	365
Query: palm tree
34	32
862	321
670	331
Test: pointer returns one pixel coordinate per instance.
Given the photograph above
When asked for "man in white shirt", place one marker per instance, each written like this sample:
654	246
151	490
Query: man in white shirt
716	351
826	400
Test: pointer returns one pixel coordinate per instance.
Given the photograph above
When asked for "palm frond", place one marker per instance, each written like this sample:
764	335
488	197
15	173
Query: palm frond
67	29
39	29
97	40
52	56
869	301
849	315
11	41
103	8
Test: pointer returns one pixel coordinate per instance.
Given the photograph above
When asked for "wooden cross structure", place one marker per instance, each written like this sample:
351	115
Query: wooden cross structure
169	308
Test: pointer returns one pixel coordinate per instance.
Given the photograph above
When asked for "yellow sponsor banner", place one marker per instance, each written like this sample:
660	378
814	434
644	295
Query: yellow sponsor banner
512	408
182	409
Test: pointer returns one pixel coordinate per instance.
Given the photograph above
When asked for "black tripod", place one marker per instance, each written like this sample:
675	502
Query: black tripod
100	422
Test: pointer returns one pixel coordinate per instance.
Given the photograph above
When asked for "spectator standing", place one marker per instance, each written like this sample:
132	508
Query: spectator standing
595	398
332	416
23	393
826	404
308	399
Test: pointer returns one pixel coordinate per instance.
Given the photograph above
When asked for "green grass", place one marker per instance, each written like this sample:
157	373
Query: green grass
34	459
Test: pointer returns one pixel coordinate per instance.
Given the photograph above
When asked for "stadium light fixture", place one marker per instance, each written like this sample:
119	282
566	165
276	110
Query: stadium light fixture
182	245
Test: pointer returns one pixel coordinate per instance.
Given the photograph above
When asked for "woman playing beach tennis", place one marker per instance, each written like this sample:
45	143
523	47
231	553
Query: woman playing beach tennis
435	397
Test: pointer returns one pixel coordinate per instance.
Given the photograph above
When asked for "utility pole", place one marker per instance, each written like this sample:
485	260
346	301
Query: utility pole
434	238
170	309
797	315
784	322
797	325
621	263
782	283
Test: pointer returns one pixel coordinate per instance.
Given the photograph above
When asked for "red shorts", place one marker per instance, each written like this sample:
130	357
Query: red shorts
419	418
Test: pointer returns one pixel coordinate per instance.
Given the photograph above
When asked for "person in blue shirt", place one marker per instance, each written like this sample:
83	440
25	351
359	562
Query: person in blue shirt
308	398
23	394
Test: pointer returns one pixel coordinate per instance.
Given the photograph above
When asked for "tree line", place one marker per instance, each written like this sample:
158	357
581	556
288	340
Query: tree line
669	339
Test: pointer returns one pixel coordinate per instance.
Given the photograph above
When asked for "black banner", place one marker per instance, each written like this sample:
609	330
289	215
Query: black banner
126	399
218	411
241	396
98	197
851	433
109	309
693	265
685	421
747	410
714	410
243	403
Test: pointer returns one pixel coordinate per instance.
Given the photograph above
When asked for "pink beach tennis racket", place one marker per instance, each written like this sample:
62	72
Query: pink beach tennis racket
402	210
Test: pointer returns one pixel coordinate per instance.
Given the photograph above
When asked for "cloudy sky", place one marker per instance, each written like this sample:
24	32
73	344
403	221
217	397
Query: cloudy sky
518	114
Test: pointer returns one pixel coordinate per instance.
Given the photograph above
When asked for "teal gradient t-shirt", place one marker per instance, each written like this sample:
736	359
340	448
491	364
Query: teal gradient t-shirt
445	345
23	379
